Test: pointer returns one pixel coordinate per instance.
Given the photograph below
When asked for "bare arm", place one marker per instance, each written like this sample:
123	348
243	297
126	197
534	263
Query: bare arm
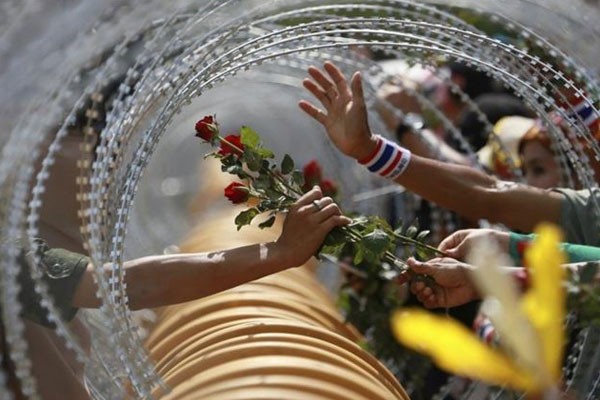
169	279
462	189
161	280
475	195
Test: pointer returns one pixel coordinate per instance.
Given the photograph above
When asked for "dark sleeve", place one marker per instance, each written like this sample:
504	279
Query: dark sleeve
62	271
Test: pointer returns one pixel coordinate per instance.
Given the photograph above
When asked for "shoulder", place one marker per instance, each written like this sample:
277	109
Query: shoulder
584	195
580	215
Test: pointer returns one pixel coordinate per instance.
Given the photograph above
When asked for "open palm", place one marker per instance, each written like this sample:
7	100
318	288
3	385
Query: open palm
345	116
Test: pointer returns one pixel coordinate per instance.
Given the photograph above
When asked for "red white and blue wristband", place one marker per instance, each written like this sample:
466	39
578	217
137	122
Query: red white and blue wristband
585	112
388	159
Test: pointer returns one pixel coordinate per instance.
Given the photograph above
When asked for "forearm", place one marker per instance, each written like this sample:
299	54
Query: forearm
458	188
476	195
425	144
156	281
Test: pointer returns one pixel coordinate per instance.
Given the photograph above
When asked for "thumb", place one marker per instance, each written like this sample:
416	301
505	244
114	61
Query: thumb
450	242
454	252
420	267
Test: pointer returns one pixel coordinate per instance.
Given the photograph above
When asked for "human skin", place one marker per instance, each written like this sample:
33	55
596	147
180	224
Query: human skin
453	284
161	280
540	168
465	190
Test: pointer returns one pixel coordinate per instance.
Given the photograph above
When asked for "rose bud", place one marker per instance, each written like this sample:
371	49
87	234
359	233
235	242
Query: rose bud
207	128
328	188
312	174
231	144
237	192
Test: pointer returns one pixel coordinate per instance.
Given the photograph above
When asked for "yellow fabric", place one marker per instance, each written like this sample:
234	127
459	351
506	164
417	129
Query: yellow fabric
544	303
456	349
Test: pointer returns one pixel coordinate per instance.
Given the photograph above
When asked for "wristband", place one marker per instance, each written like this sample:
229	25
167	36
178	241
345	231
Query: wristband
517	245
388	159
485	330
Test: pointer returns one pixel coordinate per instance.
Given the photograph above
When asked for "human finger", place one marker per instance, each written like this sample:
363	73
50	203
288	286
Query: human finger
333	221
308	197
420	267
328	87
338	78
422	297
403	277
317	91
450	242
327	212
417	287
431	302
427	292
313	111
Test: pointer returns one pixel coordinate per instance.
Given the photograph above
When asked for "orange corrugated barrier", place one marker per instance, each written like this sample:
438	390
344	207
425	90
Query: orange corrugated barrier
280	337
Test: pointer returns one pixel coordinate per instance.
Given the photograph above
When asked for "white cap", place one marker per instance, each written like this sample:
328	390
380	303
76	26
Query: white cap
509	130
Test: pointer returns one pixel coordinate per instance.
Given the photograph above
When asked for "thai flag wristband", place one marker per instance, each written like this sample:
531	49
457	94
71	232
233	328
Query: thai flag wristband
485	330
388	159
585	112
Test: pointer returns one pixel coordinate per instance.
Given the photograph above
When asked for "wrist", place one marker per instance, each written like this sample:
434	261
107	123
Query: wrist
276	256
387	159
368	148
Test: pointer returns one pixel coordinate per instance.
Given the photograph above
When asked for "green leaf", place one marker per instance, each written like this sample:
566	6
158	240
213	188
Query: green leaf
268	223
423	254
249	137
335	236
265	153
245	217
422	235
236	170
298	177
253	160
399	226
411	232
359	255
376	242
263	182
287	165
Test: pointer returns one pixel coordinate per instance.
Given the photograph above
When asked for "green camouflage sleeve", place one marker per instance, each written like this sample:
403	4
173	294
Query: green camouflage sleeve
62	270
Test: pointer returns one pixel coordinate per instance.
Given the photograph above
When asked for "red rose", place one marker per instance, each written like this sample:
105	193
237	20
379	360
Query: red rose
237	193
312	174
328	188
206	128
231	144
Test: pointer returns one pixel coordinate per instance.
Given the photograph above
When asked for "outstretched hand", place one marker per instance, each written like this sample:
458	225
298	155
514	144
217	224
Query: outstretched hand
345	115
307	224
452	286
